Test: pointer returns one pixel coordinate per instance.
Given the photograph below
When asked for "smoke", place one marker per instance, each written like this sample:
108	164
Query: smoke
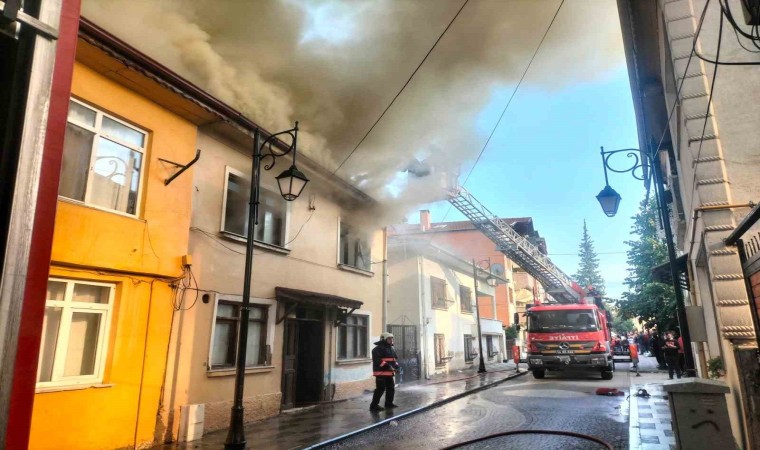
335	65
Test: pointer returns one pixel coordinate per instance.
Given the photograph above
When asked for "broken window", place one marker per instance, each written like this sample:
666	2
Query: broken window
354	248
272	210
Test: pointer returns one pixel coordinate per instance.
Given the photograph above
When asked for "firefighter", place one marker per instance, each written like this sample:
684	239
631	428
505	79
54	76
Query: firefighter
384	367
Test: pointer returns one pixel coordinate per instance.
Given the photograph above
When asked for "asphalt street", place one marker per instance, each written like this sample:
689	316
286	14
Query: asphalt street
561	402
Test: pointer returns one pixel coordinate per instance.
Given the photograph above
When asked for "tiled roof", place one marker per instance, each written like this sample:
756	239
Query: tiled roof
522	225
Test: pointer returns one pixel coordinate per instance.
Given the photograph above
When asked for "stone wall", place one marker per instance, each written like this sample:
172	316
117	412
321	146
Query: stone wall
256	408
353	388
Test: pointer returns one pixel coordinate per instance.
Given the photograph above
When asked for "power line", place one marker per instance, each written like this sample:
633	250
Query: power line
402	88
509	102
505	108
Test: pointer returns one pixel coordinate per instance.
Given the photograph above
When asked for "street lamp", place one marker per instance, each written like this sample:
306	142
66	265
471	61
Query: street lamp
609	200
491	281
291	183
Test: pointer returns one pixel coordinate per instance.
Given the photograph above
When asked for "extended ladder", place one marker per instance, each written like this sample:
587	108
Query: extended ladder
516	247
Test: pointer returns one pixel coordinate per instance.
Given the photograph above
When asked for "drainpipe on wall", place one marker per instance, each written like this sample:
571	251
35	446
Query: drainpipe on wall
423	319
385	279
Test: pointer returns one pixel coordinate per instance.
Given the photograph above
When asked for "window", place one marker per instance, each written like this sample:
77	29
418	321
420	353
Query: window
226	329
102	160
74	332
465	299
438	293
353	335
439	347
272	211
354	248
469	348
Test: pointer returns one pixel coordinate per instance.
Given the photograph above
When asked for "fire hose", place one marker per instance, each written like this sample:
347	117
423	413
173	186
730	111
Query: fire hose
515	432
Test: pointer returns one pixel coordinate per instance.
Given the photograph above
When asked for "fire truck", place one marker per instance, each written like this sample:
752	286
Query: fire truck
573	332
573	336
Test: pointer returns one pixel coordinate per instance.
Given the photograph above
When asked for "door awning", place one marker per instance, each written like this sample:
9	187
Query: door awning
661	273
293	297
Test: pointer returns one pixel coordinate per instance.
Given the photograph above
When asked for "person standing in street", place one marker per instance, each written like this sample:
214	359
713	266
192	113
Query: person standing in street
384	367
670	349
655	344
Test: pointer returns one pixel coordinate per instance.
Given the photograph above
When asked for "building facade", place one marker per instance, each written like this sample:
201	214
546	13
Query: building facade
119	238
432	311
703	120
316	291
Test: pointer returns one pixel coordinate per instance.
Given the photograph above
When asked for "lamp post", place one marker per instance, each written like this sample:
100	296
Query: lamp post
609	200
491	281
291	183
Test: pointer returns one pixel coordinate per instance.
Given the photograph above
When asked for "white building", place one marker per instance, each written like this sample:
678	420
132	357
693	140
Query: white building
431	310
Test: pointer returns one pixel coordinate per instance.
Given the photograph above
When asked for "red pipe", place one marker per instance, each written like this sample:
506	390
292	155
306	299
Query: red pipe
33	308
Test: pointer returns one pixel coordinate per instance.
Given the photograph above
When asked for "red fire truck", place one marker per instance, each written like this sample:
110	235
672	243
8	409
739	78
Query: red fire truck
561	337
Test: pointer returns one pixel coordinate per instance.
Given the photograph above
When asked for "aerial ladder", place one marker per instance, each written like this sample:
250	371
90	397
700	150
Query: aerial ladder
517	248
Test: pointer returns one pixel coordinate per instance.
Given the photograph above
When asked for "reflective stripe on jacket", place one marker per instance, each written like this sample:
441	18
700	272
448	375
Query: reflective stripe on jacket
384	360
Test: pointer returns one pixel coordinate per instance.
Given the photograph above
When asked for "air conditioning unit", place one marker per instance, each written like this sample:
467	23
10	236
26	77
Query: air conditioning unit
191	422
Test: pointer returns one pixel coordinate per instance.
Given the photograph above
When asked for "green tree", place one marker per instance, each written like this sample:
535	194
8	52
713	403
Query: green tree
621	325
588	268
653	303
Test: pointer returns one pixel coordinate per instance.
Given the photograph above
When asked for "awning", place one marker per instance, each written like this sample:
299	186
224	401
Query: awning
661	273
294	297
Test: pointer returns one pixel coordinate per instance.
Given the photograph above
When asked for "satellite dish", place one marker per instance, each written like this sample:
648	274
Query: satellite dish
497	269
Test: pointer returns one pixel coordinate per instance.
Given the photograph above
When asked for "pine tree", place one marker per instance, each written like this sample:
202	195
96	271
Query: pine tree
652	302
588	269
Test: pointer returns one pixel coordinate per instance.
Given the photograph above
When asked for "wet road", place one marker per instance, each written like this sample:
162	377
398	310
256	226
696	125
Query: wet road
564	402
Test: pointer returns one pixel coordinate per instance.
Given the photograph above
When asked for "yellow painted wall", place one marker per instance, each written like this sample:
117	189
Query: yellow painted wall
153	243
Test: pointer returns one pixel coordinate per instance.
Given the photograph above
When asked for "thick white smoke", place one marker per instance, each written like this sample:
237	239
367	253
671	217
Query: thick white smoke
335	65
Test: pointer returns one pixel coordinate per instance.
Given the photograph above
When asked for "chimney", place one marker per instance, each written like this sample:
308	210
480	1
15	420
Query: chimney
424	219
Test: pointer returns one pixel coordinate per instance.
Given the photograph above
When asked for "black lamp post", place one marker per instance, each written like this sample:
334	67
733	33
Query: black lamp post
609	199
291	183
491	281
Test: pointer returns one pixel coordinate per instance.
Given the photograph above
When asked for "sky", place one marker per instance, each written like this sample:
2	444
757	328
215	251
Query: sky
544	162
336	65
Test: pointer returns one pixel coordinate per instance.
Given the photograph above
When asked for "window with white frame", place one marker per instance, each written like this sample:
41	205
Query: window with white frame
102	161
354	248
353	336
225	336
74	332
272	210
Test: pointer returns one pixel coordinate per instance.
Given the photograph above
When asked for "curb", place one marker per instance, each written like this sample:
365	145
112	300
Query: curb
412	412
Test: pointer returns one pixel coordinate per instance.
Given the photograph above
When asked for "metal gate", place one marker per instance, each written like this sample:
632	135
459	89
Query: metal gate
405	343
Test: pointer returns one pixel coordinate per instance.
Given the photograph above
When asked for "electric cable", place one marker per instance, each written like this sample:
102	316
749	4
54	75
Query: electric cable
514	92
704	124
402	89
726	13
509	102
300	229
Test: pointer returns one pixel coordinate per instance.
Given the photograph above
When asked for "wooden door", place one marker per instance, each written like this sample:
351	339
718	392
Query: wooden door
290	364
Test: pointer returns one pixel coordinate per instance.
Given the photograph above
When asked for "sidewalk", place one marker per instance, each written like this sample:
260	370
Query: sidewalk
314	426
650	426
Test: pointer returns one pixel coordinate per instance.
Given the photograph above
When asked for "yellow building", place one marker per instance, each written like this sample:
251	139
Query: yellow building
120	236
